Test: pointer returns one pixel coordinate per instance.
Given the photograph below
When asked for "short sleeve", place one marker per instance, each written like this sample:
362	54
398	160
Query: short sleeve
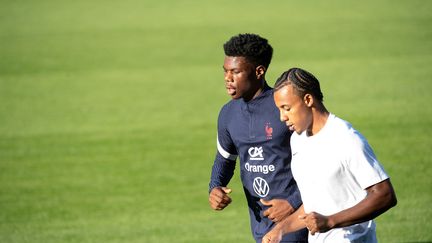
363	163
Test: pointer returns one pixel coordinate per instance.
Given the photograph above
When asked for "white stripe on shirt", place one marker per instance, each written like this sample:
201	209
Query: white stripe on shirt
224	153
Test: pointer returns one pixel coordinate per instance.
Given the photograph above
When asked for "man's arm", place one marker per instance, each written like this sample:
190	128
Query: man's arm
223	167
222	173
380	197
278	209
281	208
289	224
219	199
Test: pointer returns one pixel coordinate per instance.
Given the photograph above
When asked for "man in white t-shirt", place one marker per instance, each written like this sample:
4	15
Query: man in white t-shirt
342	185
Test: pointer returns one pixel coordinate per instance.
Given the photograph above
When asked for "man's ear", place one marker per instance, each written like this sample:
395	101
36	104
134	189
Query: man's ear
308	100
260	71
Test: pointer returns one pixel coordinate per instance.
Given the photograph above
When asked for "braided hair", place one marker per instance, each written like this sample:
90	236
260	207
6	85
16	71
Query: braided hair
253	47
302	81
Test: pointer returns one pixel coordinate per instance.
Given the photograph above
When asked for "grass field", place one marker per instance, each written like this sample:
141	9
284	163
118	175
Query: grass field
108	110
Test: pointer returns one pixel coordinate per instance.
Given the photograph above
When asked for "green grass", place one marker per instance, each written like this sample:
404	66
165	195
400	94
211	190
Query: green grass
108	110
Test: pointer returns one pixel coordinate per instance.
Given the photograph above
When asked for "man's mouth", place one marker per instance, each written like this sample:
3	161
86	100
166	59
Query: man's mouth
230	90
290	127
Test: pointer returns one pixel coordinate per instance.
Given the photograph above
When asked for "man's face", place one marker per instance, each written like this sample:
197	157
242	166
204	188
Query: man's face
294	110
240	77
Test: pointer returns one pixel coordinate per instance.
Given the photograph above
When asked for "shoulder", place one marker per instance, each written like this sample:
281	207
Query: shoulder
340	127
230	106
348	133
228	110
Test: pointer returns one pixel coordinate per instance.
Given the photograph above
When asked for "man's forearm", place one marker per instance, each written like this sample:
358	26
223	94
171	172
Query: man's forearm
380	198
291	223
222	172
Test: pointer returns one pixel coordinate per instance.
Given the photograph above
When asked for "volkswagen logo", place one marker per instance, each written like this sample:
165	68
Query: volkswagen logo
261	187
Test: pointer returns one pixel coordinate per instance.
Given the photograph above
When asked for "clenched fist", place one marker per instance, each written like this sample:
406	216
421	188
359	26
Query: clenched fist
219	198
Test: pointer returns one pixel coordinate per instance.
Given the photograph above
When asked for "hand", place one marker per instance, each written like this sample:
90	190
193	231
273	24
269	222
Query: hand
316	222
279	209
273	236
219	198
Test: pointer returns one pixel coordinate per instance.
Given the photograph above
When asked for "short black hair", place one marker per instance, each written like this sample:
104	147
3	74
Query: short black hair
303	82
251	46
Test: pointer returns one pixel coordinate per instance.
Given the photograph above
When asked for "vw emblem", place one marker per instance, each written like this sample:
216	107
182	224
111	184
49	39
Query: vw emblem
261	187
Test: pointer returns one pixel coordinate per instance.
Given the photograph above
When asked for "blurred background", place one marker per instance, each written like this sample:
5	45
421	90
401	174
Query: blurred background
108	110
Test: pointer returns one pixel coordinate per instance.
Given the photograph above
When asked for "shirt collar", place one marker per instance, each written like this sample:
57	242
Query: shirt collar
266	91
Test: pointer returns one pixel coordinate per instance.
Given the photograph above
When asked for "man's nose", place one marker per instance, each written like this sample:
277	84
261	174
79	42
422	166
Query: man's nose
228	77
283	117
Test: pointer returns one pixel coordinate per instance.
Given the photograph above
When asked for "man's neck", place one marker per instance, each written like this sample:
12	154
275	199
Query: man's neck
259	90
319	119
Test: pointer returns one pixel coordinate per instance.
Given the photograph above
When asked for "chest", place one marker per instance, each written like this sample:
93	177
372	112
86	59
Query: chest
256	124
318	162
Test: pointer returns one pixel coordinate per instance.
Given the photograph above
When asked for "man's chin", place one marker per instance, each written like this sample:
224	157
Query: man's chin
235	96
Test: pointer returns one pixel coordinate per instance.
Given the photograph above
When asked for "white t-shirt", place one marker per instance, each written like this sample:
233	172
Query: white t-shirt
332	169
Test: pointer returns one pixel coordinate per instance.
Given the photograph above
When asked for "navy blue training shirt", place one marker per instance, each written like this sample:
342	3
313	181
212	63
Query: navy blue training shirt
253	132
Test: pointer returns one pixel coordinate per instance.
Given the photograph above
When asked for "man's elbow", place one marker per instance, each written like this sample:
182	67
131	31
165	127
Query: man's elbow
386	194
391	199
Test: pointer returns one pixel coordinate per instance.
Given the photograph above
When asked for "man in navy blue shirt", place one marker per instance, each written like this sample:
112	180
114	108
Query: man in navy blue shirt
249	128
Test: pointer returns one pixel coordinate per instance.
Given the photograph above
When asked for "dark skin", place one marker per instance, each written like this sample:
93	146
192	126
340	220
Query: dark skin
308	114
219	198
380	197
245	80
